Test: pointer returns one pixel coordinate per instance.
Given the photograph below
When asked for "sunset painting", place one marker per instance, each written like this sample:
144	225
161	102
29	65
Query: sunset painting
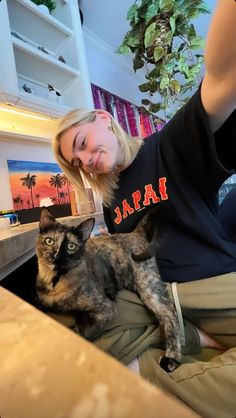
37	184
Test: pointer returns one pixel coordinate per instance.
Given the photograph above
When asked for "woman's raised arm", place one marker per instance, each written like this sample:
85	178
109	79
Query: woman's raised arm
218	91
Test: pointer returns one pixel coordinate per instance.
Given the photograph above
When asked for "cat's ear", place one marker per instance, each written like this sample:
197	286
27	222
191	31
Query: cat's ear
46	219
85	228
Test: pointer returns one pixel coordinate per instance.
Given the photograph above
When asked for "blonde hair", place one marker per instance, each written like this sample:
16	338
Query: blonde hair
103	184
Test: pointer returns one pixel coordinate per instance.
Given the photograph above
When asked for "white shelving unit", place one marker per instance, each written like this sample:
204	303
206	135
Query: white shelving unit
37	50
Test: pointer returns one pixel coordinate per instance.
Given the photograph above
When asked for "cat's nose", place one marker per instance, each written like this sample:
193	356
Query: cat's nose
56	255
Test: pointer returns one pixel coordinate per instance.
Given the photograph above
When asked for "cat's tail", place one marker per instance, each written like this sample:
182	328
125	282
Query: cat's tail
154	218
153	225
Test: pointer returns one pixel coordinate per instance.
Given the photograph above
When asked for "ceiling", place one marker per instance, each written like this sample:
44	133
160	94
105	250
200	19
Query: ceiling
107	19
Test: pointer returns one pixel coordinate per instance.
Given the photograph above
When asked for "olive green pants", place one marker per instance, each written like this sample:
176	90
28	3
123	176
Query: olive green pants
206	381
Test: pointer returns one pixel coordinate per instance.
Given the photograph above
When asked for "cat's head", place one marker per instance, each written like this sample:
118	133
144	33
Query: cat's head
59	245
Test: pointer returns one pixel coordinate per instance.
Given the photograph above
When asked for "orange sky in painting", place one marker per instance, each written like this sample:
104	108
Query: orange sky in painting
42	187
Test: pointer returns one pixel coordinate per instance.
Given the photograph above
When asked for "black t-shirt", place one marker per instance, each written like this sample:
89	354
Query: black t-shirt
228	214
182	167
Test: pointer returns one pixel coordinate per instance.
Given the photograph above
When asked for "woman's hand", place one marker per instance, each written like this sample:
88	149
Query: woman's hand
206	341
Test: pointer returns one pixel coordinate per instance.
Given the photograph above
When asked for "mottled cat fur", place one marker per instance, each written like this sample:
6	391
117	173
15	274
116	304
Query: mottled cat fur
83	274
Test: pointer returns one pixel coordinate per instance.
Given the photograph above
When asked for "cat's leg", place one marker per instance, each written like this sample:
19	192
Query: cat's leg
105	313
95	312
153	293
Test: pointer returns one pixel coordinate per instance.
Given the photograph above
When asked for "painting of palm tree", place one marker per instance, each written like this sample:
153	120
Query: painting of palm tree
37	197
37	184
67	184
18	201
57	182
29	182
53	199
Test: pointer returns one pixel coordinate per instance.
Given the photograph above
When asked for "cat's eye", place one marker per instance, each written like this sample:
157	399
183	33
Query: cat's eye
49	241
71	246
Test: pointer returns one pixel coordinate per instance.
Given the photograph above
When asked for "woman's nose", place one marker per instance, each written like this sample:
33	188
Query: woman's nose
86	159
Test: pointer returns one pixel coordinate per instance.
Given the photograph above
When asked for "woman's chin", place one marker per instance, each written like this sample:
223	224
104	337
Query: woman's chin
106	169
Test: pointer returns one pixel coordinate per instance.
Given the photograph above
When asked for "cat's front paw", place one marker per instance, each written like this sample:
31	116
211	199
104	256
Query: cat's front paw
168	364
76	329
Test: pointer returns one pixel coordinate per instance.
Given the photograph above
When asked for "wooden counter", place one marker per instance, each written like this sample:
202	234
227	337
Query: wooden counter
47	371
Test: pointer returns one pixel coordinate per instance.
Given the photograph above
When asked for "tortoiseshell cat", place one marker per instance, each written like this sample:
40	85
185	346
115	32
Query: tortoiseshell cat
83	274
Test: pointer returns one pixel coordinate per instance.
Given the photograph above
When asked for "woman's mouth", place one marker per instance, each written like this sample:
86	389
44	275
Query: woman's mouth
98	162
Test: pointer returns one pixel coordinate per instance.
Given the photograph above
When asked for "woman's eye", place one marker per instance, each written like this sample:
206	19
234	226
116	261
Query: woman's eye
83	143
49	241
71	246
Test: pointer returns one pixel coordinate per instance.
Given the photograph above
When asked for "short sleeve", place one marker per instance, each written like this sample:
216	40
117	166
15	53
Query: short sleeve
225	139
190	146
108	219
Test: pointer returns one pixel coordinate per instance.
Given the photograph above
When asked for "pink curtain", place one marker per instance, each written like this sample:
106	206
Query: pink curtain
128	115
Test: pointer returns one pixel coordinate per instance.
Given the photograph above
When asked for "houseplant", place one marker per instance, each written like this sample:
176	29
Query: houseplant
164	41
50	4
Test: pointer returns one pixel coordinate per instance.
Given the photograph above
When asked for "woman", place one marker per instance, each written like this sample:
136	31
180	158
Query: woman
180	169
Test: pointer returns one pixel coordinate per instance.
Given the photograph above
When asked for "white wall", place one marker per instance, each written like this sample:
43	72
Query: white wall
112	71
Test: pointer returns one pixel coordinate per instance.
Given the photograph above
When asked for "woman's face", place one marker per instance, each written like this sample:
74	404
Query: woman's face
92	146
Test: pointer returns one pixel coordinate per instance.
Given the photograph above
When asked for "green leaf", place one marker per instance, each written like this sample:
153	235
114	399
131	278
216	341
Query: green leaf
144	110
155	73
164	82
123	49
191	32
187	86
143	9
144	87
150	35
175	86
151	12
193	71
182	65
169	66
153	108
188	5
137	64
145	2
204	9
197	43
153	86
158	53
200	59
145	102
193	14
166	5
172	23
156	4
169	37
132	12
133	38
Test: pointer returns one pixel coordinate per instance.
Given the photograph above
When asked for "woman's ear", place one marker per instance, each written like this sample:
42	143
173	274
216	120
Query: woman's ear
103	116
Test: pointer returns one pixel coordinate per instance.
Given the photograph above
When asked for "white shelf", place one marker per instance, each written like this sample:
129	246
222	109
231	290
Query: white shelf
36	103
13	136
39	66
44	30
24	31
